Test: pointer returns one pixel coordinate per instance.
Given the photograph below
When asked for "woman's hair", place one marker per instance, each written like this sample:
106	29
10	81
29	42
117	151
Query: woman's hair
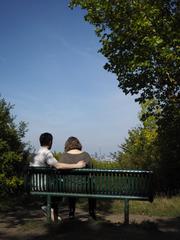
72	143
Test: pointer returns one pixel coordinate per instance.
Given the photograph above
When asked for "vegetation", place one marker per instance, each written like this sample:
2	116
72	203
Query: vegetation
140	150
13	152
161	206
140	40
57	155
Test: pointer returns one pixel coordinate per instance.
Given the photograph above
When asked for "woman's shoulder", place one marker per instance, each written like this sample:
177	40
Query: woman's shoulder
86	154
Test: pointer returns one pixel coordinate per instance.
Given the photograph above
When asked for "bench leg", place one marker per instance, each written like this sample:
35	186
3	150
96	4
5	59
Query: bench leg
49	209
126	211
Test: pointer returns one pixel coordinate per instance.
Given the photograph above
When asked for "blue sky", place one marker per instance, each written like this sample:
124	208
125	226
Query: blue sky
51	71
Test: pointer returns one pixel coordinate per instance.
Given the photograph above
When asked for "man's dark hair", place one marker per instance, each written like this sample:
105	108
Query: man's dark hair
72	143
45	139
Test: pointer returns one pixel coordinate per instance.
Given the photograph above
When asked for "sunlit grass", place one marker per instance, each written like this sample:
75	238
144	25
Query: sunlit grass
161	206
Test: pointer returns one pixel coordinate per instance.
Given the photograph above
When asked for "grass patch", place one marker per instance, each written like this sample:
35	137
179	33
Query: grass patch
161	206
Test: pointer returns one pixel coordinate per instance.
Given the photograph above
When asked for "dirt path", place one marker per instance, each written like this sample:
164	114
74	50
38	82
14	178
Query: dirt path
29	224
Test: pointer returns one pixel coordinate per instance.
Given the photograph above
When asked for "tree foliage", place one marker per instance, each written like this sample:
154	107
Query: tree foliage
57	155
152	148
13	152
140	149
140	40
169	142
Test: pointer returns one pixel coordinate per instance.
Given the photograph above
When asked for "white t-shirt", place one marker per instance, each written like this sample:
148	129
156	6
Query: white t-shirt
43	158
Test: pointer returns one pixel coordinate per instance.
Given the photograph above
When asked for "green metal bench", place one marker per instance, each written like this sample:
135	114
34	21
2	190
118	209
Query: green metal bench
91	183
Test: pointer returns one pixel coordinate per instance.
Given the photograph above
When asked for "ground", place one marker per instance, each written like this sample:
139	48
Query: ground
27	222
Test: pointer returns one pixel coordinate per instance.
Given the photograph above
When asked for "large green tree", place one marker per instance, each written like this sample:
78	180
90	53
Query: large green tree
13	152
140	39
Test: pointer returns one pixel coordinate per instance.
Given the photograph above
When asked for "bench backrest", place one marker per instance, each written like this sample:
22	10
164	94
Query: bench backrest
123	184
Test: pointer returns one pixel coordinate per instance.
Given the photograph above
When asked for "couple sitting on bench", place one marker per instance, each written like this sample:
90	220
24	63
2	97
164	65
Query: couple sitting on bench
73	157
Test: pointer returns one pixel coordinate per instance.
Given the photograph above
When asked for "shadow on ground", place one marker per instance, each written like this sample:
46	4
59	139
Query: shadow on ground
28	223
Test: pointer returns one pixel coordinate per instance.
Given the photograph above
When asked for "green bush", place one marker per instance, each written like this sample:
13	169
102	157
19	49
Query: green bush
13	152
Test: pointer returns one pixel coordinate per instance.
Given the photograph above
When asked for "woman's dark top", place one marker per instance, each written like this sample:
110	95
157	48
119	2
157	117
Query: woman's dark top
74	158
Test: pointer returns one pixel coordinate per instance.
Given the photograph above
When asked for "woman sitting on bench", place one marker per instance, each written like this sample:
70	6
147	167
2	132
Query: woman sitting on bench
73	154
